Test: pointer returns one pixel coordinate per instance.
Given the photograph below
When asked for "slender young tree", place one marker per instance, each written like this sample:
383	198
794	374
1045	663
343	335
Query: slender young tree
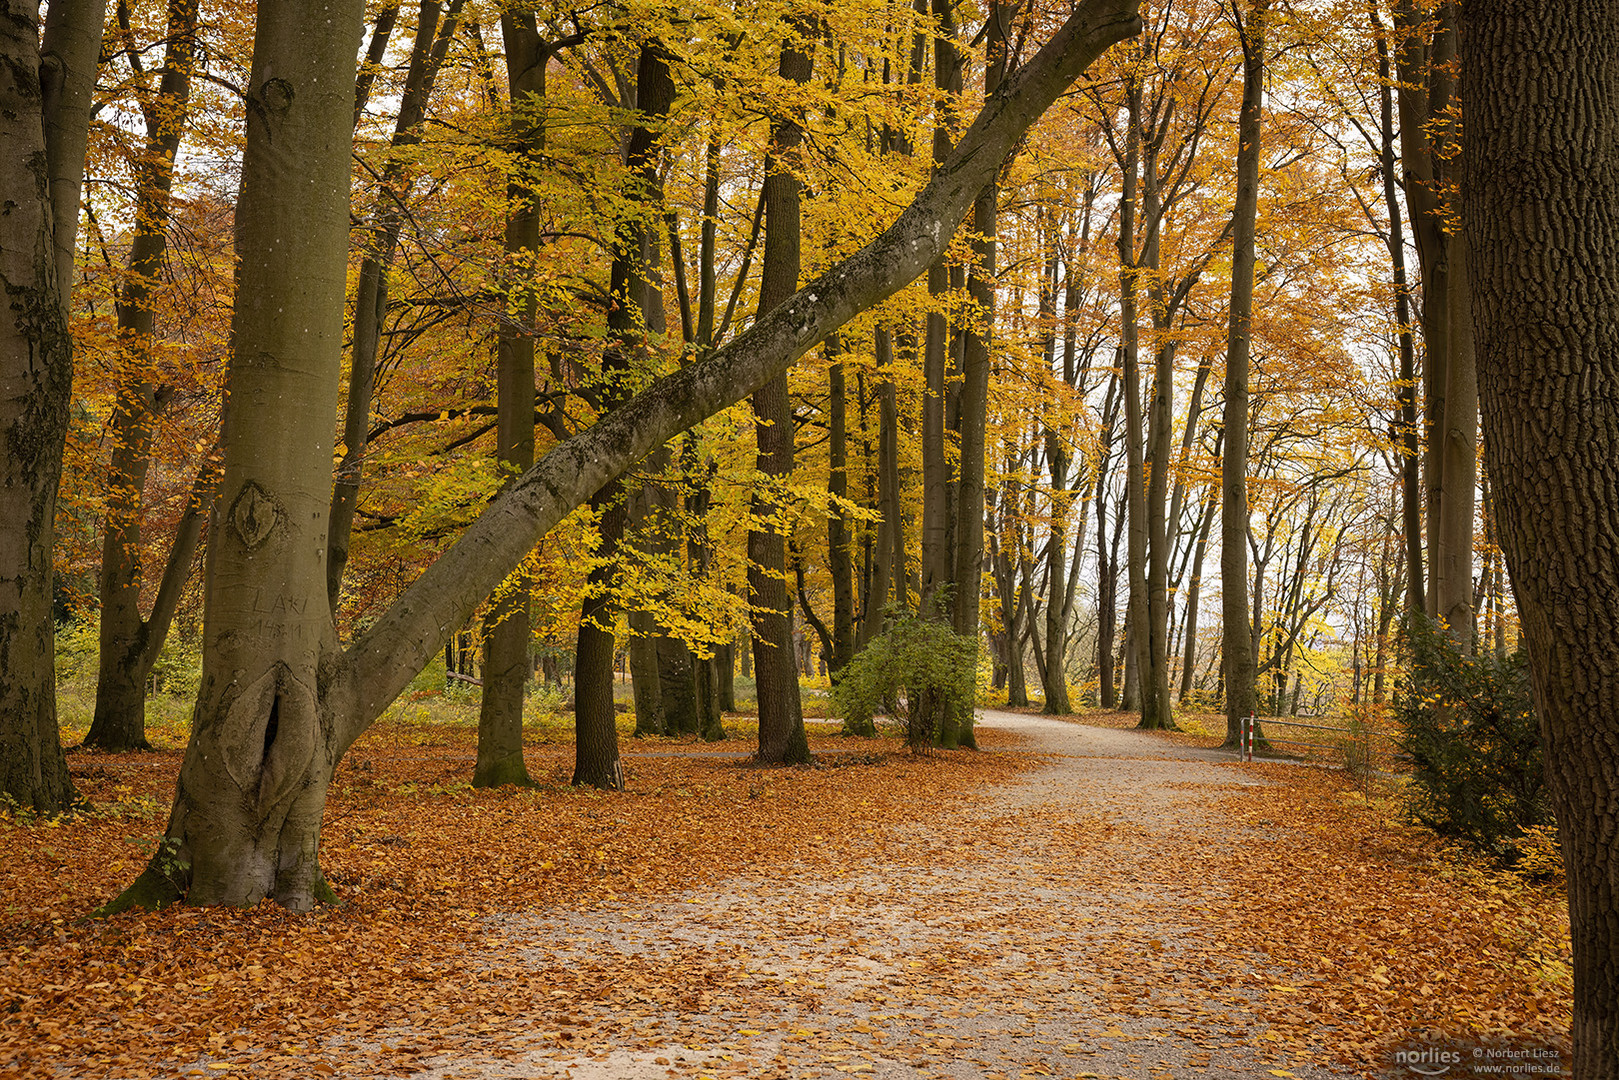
129	644
1236	644
781	716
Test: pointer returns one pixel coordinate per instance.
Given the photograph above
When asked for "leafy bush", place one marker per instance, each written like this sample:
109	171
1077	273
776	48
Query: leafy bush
1470	729
914	660
77	650
179	665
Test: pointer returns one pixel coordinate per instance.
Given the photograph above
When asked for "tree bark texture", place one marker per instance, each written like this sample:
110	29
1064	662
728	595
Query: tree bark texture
266	733
781	718
1235	641
1541	200
36	371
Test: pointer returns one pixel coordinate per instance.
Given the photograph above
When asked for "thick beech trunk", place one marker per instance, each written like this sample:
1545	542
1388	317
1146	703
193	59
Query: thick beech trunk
45	91
269	727
1541	200
246	816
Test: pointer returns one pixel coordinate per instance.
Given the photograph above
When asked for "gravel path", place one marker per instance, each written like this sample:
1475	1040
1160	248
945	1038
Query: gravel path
1065	924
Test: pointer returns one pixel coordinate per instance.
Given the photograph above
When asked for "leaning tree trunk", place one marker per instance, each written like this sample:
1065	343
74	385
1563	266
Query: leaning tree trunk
1541	199
234	834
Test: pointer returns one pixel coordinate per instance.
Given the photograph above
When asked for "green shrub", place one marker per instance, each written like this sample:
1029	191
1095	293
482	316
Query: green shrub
1470	729
178	669
913	663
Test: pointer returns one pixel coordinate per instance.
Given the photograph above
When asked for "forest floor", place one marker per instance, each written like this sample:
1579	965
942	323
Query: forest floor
1078	901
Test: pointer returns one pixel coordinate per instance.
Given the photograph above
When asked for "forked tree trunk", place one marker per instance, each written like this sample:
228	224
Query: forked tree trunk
1541	200
129	645
265	732
278	703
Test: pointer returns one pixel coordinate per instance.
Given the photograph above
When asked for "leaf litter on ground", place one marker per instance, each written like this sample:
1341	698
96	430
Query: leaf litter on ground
1382	931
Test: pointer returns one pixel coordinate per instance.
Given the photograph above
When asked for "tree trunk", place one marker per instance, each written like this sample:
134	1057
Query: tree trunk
265	738
1193	592
646	677
781	718
1541	192
888	571
247	811
1409	435
43	131
1429	131
1138	663
839	557
125	654
506	627
525	74
596	760
595	719
1236	643
968	535
1054	673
